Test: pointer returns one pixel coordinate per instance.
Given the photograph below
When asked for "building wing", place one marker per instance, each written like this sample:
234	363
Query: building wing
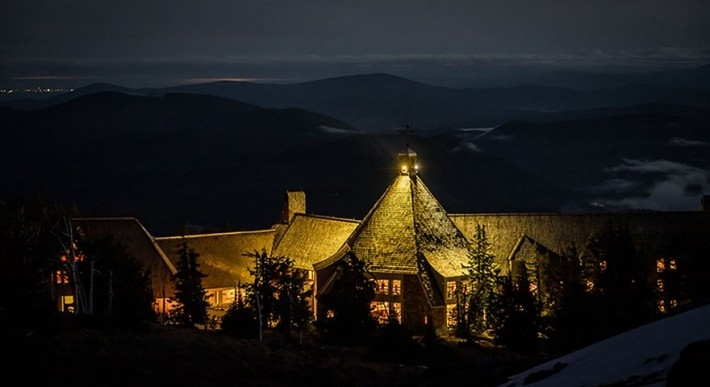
311	239
223	256
138	241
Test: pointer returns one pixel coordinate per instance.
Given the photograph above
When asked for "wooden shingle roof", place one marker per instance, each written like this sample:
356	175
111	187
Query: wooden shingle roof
310	239
223	256
558	231
408	222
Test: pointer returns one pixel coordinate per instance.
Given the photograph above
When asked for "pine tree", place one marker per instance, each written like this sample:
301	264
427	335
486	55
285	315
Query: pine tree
278	294
572	321
345	314
482	272
619	280
189	292
240	320
516	314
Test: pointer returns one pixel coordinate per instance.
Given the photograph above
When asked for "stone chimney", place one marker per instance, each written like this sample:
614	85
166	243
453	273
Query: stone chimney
294	203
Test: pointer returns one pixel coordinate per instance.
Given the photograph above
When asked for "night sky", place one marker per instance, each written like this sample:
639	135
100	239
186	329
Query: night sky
161	42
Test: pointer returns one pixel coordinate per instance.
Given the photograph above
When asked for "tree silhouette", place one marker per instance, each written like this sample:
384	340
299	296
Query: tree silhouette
345	311
278	294
515	314
482	272
189	292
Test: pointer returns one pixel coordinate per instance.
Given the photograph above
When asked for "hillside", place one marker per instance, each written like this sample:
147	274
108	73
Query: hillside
645	356
183	158
383	102
162	355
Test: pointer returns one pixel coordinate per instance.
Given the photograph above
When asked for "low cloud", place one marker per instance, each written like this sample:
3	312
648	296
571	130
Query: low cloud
678	141
678	186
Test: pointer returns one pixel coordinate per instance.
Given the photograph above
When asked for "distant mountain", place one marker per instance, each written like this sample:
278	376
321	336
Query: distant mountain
223	164
657	154
384	102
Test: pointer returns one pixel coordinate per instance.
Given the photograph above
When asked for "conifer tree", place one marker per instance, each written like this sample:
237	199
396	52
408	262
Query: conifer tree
619	280
516	314
572	320
278	294
240	320
482	272
345	313
189	292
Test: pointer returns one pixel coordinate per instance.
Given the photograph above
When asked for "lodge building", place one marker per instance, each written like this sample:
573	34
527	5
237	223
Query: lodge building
416	250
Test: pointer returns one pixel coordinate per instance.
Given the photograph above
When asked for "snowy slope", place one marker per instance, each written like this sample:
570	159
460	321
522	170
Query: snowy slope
642	355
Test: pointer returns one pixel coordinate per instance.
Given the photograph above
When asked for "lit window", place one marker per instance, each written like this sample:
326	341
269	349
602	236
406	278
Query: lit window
590	285
383	310
382	286
673	303
61	277
450	289
67	304
532	287
660	265
661	306
450	315
672	264
602	265
380	311
396	287
660	285
211	296
227	296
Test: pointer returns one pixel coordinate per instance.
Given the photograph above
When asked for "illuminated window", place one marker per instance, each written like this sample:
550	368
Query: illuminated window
382	310
532	287
673	303
396	287
661	306
382	286
330	313
67	304
450	315
228	296
590	285
61	277
450	289
663	264
660	285
211	296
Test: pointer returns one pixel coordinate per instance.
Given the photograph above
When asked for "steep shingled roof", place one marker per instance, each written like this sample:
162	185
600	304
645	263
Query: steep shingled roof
310	239
407	222
223	256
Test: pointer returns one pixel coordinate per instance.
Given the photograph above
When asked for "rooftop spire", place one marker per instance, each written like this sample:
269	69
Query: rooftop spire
407	160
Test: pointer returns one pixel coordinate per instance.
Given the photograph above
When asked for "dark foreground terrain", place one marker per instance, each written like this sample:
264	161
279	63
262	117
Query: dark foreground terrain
168	356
